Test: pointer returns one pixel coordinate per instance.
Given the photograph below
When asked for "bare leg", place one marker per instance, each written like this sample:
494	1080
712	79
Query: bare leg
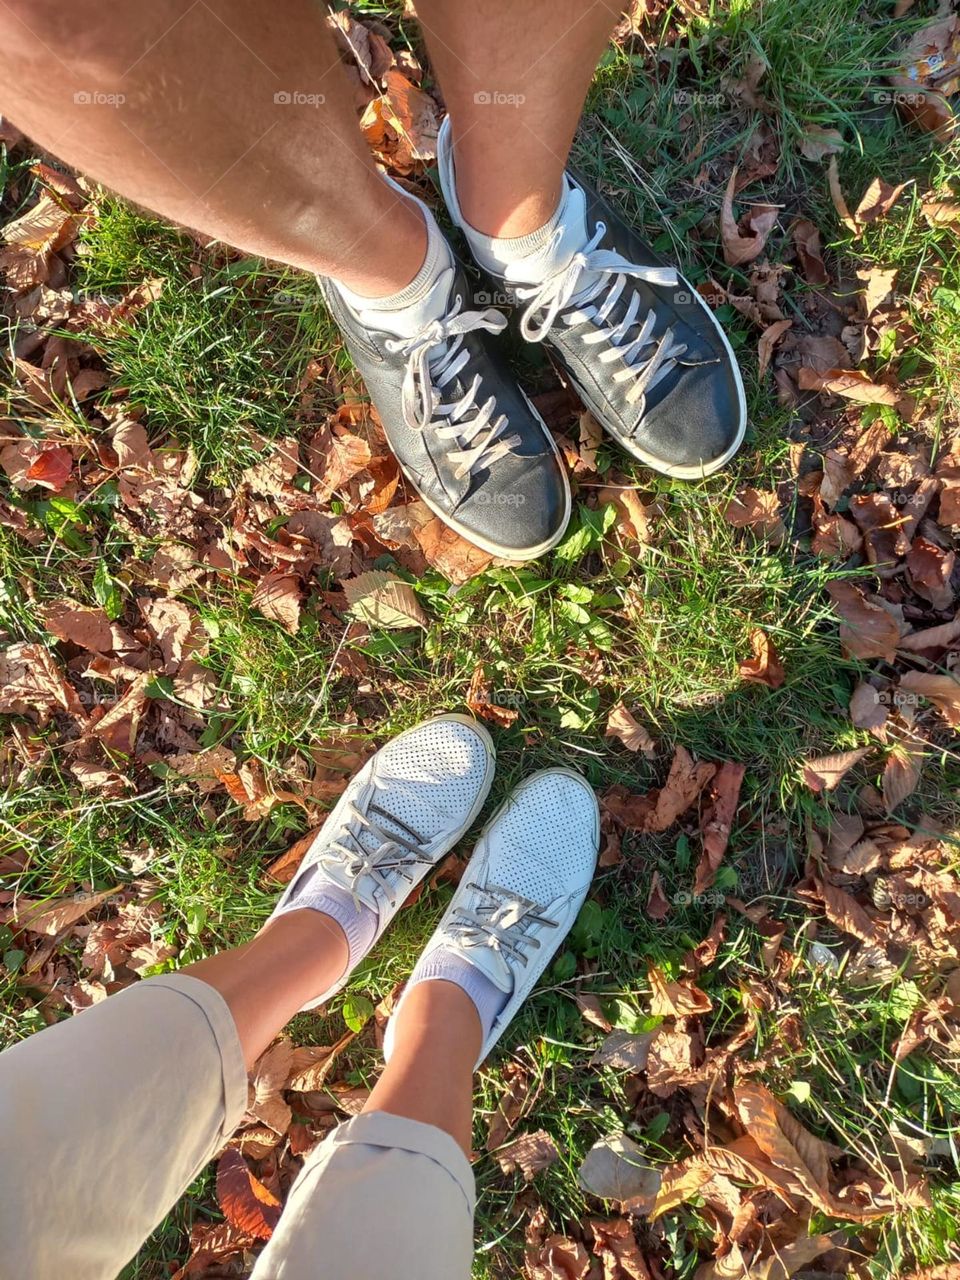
234	119
514	77
267	980
430	1075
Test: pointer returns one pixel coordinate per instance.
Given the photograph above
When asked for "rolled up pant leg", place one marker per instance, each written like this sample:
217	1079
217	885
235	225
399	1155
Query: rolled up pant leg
382	1198
105	1120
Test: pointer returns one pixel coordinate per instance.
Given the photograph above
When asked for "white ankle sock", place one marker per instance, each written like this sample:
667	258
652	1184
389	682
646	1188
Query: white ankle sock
406	312
448	966
495	253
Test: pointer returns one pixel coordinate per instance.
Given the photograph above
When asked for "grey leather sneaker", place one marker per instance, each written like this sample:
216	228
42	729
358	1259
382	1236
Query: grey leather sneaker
640	345
464	433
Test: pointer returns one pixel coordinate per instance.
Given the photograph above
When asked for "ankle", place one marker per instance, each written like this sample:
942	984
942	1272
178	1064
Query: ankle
389	257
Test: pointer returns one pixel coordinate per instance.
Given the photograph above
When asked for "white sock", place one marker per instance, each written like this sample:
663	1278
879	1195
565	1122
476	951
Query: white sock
406	312
445	964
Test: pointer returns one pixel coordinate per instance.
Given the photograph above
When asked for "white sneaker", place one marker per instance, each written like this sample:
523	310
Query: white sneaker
522	890
399	816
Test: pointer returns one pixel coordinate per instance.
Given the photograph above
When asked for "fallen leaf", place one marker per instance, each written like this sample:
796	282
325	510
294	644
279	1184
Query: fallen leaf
806	237
817	142
529	1153
277	597
765	666
877	201
942	690
679	999
825	772
245	1201
852	384
716	822
478	701
55	915
450	554
867	629
930	569
877	281
738	248
513	1100
768	340
336	456
623	1051
621	724
901	776
837	196
615	1244
658	904
756	509
384	600
616	1169
590	1008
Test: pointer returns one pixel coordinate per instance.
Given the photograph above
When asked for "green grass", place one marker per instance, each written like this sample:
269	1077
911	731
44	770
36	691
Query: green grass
215	364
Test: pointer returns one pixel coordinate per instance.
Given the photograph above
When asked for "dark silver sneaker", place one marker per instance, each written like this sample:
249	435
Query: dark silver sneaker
640	345
464	433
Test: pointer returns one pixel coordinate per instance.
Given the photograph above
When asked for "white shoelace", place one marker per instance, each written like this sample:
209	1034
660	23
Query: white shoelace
500	922
480	438
557	291
392	855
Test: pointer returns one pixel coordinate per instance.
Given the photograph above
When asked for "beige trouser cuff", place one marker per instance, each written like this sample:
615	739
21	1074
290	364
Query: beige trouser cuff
107	1118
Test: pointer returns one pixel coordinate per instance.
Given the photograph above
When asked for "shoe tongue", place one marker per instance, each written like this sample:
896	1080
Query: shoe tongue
491	964
555	256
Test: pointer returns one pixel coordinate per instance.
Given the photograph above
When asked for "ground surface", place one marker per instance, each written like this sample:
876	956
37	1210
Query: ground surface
189	459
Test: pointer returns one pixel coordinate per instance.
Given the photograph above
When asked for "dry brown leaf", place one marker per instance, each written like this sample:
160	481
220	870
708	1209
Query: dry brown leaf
825	772
621	724
336	456
658	904
456	558
837	196
716	822
852	384
877	282
513	1100
245	1201
590	1008
901	776
623	1051
942	690
478	701
529	1153
768	340
756	509
680	999
384	600
52	917
867	711
867	629
818	143
636	519
277	597
30	680
806	237
616	1169
615	1244
930	569
738	248
765	666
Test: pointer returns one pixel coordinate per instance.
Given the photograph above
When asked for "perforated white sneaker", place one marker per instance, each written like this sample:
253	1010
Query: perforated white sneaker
522	890
399	816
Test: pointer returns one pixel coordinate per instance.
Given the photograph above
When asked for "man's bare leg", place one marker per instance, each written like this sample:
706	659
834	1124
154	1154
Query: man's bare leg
514	78
234	119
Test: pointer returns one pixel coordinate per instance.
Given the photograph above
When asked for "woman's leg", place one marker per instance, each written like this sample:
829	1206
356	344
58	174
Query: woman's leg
234	119
106	1118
